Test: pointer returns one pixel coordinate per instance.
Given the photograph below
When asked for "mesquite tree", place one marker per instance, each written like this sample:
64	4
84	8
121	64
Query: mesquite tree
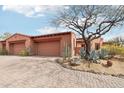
5	35
91	22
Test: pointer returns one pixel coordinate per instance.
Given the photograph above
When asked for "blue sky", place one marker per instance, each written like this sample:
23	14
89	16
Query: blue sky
14	22
35	20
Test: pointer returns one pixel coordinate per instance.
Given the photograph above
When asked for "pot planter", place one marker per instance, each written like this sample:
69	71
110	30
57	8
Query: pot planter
109	63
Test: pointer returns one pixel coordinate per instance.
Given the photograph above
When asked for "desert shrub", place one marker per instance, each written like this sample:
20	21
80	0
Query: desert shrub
114	50
3	51
103	53
24	52
82	53
67	51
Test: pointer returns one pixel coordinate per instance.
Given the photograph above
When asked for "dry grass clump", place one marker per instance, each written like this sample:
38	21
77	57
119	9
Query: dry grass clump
114	49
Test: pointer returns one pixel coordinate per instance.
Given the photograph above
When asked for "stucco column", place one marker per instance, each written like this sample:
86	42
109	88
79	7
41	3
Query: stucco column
29	46
7	47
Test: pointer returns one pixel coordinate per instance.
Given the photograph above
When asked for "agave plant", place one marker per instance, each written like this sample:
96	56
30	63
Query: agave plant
93	56
103	53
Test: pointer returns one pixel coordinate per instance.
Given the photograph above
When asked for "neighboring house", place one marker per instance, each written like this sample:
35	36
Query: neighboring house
95	44
45	45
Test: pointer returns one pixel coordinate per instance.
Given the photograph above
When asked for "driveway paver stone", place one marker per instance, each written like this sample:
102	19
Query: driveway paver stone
45	72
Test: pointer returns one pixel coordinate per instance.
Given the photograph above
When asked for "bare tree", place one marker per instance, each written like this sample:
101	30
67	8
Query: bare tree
91	22
5	35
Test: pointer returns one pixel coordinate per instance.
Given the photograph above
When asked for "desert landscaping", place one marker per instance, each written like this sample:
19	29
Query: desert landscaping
117	69
109	60
86	48
42	72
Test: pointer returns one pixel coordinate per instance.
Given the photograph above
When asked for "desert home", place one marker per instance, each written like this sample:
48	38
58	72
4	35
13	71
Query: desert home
45	45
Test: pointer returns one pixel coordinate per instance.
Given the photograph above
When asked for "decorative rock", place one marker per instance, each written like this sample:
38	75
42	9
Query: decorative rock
75	62
98	61
109	63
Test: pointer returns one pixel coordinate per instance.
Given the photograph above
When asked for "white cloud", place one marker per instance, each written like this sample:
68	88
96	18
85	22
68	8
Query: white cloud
32	11
49	30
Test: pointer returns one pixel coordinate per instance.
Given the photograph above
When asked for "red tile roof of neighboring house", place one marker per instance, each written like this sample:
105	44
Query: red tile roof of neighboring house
81	39
2	41
18	34
53	34
47	35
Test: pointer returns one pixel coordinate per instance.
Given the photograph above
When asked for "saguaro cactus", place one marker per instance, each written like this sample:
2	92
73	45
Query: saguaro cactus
67	51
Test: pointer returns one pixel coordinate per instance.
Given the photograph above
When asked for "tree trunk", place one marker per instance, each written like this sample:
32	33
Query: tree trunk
87	49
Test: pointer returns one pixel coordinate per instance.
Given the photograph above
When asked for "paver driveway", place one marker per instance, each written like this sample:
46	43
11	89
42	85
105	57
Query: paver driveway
45	72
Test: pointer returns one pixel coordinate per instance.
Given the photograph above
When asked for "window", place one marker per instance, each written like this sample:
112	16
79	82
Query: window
82	45
97	46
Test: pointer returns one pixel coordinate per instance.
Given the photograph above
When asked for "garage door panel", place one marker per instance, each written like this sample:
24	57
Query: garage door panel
16	48
49	48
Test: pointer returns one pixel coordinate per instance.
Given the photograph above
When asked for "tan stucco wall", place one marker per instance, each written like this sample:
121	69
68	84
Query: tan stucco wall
0	45
17	38
31	42
94	42
73	43
64	39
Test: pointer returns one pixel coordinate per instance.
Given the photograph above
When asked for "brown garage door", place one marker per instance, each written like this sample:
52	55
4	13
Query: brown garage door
16	48
51	48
